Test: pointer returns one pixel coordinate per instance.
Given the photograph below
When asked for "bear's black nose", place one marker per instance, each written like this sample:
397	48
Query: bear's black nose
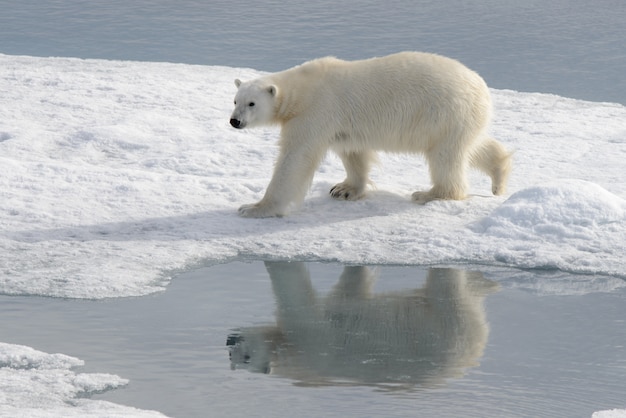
235	123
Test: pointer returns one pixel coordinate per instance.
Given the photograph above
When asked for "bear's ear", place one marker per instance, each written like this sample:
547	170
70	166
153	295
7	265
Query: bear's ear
237	82
272	90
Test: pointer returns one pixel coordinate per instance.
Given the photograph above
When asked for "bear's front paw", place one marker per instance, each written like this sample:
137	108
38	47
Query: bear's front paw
256	210
344	191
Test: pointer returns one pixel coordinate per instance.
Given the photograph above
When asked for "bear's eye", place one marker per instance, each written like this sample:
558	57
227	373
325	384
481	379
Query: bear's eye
235	102
251	104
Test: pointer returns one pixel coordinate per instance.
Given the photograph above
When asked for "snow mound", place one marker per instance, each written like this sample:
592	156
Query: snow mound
571	225
565	208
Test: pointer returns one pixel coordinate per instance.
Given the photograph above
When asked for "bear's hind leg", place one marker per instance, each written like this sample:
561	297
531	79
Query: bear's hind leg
447	173
357	165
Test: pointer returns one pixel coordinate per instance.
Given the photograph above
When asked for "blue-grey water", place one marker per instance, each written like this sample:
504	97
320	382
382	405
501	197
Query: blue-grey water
323	340
573	48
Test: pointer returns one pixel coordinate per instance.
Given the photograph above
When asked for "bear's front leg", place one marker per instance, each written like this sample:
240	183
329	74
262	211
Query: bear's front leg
290	182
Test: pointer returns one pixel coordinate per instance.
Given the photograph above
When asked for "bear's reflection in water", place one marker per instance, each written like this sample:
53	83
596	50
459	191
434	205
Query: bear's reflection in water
395	340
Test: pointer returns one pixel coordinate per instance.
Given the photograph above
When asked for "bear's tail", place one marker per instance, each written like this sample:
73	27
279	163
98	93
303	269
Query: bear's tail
492	158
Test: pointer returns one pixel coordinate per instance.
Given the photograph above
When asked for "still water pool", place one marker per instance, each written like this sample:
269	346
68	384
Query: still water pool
279	339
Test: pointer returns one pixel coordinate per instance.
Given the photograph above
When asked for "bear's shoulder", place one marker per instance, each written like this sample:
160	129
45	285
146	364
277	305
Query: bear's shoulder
318	65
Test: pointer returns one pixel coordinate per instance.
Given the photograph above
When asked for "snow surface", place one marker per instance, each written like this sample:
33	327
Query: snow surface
116	175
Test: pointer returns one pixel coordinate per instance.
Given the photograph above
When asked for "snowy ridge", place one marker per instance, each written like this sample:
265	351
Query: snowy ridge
610	413
21	357
36	384
115	175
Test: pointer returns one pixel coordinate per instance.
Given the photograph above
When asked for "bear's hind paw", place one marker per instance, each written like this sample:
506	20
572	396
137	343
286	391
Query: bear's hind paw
343	191
433	194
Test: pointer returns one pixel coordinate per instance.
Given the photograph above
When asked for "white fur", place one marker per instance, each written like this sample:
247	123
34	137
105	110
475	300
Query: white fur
407	102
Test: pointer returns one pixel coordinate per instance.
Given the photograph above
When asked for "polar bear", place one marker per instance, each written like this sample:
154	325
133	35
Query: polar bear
409	102
353	335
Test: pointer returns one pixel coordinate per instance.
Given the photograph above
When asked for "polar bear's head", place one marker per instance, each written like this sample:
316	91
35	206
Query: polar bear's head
254	104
